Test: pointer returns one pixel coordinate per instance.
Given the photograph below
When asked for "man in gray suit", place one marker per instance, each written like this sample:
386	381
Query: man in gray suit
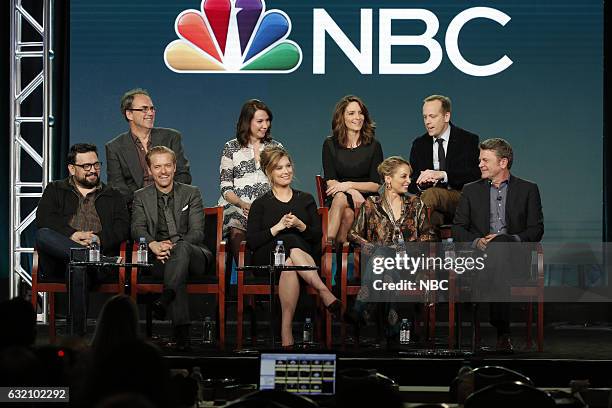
169	215
127	169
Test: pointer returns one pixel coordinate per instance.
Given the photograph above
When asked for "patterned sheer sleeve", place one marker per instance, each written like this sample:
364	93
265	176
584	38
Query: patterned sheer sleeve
426	231
226	170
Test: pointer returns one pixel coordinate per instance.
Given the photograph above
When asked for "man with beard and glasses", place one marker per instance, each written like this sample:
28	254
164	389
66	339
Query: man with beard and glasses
70	214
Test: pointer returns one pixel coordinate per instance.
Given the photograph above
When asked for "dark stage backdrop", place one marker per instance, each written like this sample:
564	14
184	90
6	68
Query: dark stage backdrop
548	103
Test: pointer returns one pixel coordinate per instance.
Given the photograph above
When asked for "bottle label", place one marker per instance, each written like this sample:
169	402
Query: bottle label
142	256
279	259
307	336
94	255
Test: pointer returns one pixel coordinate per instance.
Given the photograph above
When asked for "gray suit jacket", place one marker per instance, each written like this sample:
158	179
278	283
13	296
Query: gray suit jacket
123	169
188	215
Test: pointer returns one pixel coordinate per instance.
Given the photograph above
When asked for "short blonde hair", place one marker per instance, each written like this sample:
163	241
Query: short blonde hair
160	150
270	157
390	165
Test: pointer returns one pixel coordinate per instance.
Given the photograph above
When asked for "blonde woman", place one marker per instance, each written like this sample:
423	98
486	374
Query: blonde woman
291	216
387	222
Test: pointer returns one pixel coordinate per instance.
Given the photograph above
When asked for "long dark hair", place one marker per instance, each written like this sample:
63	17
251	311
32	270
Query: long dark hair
339	131
243	126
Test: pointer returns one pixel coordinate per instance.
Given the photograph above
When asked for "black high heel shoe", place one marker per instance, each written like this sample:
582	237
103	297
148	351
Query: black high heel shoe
334	308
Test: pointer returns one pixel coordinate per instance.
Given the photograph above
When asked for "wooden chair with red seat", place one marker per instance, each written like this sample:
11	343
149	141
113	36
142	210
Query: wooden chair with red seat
43	282
249	285
210	284
532	291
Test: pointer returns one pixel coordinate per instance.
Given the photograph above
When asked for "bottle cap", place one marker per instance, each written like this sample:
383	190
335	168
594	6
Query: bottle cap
404	320
308	320
142	239
94	239
207	319
279	242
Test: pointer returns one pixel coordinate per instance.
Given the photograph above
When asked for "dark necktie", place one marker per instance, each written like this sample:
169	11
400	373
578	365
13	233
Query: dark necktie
170	220
441	155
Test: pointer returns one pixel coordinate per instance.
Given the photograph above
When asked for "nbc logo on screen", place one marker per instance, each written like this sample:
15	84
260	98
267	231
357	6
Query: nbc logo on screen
233	37
239	36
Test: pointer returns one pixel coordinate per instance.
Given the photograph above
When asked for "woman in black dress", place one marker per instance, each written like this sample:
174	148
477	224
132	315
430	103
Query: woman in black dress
350	159
291	216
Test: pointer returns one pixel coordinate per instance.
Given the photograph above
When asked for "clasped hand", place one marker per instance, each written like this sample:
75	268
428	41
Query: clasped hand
334	187
161	249
290	221
83	237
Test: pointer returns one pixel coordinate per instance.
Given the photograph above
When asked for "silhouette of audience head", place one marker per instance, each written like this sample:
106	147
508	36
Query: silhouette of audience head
126	400
365	388
117	324
18	323
134	367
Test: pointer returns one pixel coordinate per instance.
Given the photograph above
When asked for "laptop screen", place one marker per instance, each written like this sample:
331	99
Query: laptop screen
309	374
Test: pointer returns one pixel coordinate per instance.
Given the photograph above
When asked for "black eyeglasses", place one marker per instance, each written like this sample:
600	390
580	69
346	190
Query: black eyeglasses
145	109
88	166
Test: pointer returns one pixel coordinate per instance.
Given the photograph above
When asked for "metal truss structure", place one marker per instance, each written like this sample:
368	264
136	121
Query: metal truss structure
29	148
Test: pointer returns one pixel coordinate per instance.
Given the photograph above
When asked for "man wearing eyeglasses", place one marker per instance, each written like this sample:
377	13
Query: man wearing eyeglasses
70	214
127	168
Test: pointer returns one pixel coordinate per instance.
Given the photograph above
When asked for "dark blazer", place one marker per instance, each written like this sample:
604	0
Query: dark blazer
123	169
59	203
188	214
523	211
461	158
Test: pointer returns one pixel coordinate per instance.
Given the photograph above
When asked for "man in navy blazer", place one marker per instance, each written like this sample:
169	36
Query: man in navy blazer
499	208
126	168
443	159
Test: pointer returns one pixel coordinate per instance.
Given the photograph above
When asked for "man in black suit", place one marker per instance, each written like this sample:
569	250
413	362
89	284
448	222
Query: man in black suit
443	159
126	168
499	208
169	215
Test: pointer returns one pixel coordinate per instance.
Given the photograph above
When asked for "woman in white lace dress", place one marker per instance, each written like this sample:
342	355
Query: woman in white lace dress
241	178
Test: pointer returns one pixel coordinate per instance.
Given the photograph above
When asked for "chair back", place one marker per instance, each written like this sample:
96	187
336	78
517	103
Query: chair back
213	228
320	190
510	395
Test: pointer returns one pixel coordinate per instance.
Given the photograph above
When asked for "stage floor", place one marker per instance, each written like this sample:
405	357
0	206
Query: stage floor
570	352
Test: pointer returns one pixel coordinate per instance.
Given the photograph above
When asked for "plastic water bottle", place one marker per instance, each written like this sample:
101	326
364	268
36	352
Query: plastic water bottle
142	256
279	254
207	331
405	332
307	336
94	250
449	248
196	374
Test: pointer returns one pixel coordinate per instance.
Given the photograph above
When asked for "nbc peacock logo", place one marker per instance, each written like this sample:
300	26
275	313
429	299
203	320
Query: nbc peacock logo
233	36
